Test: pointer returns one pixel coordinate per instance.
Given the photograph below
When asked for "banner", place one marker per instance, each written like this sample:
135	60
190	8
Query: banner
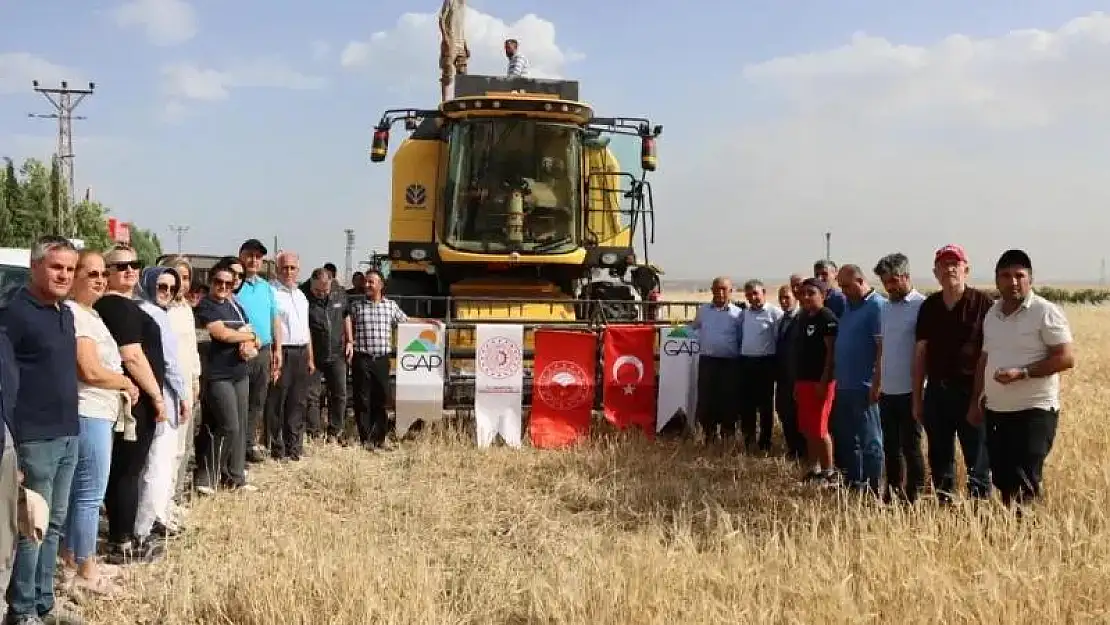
678	376
562	387
499	382
420	375
629	374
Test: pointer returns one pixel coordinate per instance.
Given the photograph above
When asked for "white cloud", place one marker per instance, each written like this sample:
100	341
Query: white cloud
165	22
993	142
188	82
408	54
18	69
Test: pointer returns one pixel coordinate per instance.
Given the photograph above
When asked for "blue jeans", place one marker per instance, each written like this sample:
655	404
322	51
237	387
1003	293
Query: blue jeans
90	481
48	468
857	435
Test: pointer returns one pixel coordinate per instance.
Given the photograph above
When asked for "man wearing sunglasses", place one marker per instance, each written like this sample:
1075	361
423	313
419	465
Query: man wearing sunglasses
258	298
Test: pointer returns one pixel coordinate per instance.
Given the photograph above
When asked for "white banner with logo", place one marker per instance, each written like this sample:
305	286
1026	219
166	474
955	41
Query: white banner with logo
678	375
420	374
499	382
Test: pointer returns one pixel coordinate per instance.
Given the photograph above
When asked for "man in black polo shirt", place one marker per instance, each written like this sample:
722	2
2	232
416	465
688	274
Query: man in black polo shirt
46	427
949	337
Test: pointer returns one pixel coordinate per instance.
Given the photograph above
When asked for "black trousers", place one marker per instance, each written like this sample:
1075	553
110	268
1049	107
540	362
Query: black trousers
757	398
370	384
787	410
716	407
1019	442
945	419
258	372
329	383
121	499
285	404
220	443
905	464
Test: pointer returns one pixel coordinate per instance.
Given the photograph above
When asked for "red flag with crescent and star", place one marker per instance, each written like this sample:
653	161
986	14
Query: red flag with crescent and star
562	387
629	374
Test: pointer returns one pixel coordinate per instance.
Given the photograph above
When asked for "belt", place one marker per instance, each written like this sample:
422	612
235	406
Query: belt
285	347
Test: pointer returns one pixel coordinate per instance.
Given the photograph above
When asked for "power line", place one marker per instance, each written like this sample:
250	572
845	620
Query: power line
180	232
65	101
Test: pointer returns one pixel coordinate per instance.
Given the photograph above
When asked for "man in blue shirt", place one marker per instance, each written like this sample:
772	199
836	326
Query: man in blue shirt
893	384
855	424
259	300
718	324
825	271
40	329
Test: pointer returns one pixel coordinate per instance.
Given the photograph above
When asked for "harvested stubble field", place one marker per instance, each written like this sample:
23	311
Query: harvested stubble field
623	531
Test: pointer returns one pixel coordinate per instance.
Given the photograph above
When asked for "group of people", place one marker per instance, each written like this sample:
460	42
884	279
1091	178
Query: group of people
857	378
106	366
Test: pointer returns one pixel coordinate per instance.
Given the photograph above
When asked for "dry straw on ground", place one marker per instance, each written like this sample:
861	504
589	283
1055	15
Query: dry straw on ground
440	532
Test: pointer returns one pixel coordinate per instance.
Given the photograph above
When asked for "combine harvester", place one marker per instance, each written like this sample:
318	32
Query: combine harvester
509	206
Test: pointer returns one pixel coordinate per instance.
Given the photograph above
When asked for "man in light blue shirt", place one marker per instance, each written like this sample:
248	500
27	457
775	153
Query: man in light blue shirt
719	333
260	302
855	425
892	387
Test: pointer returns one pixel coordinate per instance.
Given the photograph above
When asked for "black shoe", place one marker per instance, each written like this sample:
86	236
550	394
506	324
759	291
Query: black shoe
163	531
254	456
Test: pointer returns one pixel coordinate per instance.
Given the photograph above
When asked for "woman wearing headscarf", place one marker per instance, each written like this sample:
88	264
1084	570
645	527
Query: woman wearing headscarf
104	394
183	323
158	288
140	345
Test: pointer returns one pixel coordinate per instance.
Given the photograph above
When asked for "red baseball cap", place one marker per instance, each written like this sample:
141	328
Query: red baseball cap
951	250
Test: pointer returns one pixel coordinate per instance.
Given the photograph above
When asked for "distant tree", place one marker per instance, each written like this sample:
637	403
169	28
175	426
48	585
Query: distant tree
9	201
91	225
146	245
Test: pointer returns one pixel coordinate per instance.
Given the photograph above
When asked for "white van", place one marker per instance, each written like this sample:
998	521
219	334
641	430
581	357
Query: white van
15	270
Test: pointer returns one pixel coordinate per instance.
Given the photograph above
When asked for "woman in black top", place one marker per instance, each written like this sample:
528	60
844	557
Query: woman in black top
814	386
140	345
221	455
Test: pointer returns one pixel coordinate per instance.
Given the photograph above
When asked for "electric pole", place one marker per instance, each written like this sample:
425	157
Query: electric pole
65	101
828	246
180	232
349	258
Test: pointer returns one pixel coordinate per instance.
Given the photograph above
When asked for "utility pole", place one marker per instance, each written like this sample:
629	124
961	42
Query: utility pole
1102	273
65	101
180	232
828	246
349	258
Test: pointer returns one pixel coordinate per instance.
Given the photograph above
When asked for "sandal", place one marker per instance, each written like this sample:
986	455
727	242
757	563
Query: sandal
100	586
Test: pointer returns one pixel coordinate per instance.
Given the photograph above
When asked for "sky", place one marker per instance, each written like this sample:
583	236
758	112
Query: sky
896	126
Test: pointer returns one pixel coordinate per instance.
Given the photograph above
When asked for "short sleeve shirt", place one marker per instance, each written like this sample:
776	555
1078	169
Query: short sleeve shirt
222	361
260	302
810	343
372	323
1019	340
94	402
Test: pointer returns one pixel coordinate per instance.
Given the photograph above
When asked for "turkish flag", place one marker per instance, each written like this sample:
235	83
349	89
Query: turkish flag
629	374
565	367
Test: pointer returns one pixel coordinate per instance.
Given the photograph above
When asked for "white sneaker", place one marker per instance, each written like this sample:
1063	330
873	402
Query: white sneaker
206	490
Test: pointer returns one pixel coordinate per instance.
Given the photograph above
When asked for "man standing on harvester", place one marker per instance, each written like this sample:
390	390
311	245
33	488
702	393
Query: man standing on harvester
453	52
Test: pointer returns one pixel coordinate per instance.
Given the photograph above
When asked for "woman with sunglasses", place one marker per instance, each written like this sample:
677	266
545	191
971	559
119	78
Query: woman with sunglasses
140	345
158	288
221	451
104	392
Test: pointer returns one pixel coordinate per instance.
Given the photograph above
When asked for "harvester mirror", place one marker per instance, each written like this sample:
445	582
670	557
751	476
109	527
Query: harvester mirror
411	123
380	146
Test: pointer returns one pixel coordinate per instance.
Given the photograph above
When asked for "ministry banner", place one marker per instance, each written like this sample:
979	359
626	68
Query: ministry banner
420	374
562	387
678	375
499	382
629	374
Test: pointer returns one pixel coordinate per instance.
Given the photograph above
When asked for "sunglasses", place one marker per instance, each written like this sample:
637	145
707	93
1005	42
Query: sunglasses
166	288
96	275
125	265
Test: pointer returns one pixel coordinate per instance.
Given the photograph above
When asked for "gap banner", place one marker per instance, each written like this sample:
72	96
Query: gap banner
629	374
499	382
562	387
420	374
678	376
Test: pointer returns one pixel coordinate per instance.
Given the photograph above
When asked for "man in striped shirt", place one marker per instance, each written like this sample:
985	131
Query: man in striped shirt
518	65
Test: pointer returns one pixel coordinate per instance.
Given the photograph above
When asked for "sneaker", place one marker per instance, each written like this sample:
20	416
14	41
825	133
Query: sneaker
165	530
812	476
245	488
206	490
23	619
830	479
61	615
150	549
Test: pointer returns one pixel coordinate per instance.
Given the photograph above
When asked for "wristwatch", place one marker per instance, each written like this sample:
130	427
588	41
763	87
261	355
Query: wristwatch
1025	373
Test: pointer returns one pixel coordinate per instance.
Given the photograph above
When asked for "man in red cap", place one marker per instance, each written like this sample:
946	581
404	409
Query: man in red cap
949	336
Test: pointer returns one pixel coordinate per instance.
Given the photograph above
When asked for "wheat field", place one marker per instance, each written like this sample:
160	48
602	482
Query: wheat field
623	531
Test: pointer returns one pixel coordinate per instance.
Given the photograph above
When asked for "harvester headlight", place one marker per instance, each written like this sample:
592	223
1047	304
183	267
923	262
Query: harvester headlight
609	258
418	254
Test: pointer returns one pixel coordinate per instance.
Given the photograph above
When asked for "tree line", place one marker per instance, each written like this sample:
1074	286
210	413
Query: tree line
34	197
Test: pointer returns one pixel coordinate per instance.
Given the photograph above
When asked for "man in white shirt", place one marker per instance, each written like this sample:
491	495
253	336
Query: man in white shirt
1026	344
758	338
287	398
518	65
892	386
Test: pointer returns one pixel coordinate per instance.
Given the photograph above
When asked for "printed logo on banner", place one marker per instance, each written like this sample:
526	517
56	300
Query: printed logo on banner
564	385
499	358
681	340
422	353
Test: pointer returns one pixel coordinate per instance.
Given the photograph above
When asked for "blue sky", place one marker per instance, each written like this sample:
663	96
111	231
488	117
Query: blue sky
783	119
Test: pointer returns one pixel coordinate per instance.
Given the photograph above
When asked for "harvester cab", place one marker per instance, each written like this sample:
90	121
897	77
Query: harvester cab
508	198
